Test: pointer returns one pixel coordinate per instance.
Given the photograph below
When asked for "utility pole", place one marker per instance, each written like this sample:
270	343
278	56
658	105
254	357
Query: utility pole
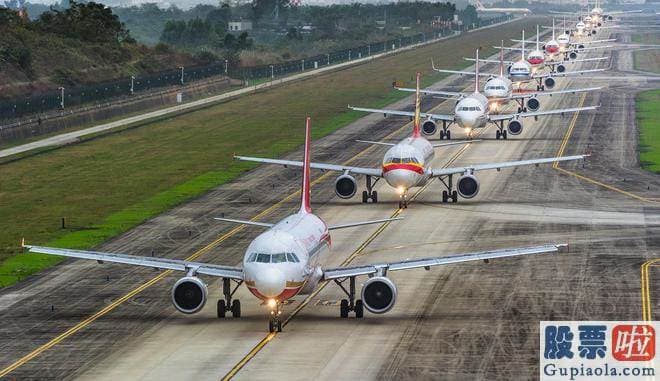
132	84
272	72
303	65
62	97
226	66
328	59
181	75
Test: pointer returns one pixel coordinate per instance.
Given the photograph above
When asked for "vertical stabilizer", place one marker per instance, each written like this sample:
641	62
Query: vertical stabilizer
418	110
553	28
502	58
538	47
476	71
305	192
523	45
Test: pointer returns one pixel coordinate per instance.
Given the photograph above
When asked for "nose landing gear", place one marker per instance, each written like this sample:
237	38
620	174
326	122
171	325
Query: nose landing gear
403	202
275	313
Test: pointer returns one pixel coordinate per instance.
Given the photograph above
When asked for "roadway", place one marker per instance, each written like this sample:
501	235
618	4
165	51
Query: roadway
471	321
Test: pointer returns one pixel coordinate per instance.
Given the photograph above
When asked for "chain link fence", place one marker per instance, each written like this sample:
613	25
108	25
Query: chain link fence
14	109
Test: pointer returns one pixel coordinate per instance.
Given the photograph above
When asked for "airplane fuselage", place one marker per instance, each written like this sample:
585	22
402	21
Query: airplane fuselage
407	164
471	112
285	260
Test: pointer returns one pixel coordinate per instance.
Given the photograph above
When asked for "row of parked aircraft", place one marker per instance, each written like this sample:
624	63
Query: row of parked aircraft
287	259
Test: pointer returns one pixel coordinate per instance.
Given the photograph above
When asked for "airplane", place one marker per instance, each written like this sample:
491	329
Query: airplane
481	8
407	164
499	90
521	71
597	15
285	261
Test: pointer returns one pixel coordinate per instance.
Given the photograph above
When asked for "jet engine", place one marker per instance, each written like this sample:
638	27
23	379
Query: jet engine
189	294
467	186
572	55
379	294
581	46
429	127
515	127
533	104
561	68
599	24
593	32
610	18
345	186
549	82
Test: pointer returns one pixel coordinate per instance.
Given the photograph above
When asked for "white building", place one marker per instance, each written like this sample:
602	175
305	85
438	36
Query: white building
239	26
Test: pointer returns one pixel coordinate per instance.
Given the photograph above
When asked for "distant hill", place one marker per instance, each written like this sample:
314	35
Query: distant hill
82	45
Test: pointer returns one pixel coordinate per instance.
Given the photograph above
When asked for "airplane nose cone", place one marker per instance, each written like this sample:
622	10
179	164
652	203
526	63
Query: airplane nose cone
270	282
401	179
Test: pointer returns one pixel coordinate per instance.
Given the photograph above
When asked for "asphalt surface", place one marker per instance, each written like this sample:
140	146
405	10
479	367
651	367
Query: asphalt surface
470	321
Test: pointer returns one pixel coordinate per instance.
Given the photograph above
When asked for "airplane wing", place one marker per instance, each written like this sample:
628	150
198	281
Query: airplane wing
515	40
436	145
445	117
488	61
497	118
593	42
326	167
452	94
551	93
454	72
376	143
591	48
509	164
153	262
567	73
370	269
623	12
245	222
562	13
362	223
577	60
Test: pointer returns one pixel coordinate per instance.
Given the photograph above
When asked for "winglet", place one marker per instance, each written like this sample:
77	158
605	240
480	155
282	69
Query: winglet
23	242
416	132
305	203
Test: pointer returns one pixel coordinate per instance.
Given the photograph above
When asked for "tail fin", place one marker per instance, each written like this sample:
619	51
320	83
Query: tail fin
476	71
305	204
523	46
502	59
417	109
537	38
553	28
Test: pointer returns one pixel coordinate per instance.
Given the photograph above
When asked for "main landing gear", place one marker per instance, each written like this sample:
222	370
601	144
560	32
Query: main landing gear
540	87
227	304
445	134
370	194
275	313
448	194
501	132
350	304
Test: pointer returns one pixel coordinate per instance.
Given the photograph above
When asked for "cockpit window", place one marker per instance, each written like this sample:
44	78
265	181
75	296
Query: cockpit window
292	257
252	257
263	258
278	258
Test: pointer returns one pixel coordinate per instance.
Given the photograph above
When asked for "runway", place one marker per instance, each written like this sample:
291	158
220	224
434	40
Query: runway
469	321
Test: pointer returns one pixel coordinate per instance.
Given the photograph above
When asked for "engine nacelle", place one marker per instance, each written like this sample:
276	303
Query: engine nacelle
549	82
467	186
610	18
533	104
189	294
561	68
345	186
593	32
572	55
599	24
379	294
429	127
514	127
581	46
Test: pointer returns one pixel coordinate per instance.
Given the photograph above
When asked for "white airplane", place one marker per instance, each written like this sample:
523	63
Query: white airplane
499	91
286	260
598	16
481	8
407	165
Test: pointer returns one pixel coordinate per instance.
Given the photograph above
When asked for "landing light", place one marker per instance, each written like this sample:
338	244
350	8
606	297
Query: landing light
468	131
272	303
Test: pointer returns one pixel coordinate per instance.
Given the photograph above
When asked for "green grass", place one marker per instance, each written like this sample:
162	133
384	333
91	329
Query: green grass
648	120
109	184
647	60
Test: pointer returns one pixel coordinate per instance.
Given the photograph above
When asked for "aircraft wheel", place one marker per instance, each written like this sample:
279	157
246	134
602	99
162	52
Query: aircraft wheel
519	110
503	134
497	134
365	197
236	308
359	309
445	196
279	326
343	308
448	135
222	308
271	326
374	197
454	196
442	135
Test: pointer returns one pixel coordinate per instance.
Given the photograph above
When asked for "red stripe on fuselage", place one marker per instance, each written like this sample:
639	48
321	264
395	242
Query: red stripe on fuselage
552	49
535	61
288	293
405	166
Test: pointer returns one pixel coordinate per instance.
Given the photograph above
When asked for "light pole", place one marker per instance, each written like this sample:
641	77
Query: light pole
181	75
62	97
132	84
303	65
272	72
226	66
328	59
369	49
349	55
